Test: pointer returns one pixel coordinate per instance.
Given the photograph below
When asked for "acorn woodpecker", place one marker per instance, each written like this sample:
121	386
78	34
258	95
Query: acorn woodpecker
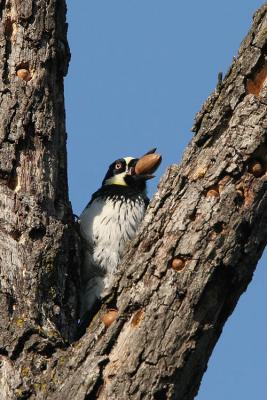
110	220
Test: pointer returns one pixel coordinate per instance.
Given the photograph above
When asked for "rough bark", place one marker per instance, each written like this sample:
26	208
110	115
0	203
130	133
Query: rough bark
182	276
37	244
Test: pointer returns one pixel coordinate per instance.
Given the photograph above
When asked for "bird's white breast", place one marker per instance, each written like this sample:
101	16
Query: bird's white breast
107	225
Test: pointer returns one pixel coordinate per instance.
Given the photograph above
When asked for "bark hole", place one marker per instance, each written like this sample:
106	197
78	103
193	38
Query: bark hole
15	234
160	395
12	181
218	227
7	55
137	318
109	317
243	232
37	232
8	28
255	84
213	191
10	303
3	352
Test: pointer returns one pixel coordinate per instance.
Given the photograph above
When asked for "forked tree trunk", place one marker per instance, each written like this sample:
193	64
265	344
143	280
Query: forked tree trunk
196	252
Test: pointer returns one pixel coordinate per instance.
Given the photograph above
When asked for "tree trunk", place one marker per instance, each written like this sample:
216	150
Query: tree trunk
37	240
181	277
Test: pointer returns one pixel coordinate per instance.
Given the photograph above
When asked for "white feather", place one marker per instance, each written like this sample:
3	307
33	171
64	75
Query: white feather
106	226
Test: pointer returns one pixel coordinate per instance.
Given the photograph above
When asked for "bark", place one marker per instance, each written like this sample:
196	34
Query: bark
181	277
37	242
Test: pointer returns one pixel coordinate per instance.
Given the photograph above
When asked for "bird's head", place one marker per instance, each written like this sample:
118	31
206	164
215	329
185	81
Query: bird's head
133	172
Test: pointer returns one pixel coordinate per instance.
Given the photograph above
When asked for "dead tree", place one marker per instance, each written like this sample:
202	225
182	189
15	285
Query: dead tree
181	277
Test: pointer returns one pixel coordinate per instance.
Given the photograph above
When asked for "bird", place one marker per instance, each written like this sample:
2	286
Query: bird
110	220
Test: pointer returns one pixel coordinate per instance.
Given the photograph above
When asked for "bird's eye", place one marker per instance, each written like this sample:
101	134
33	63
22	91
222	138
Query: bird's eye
118	166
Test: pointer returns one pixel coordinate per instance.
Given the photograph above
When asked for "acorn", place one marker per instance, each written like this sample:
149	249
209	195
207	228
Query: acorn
147	164
109	317
178	264
24	74
256	168
213	193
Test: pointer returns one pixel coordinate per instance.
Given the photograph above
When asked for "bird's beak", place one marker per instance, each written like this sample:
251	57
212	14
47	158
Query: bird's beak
131	171
147	165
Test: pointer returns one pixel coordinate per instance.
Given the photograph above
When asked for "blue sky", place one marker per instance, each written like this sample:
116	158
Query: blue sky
140	70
